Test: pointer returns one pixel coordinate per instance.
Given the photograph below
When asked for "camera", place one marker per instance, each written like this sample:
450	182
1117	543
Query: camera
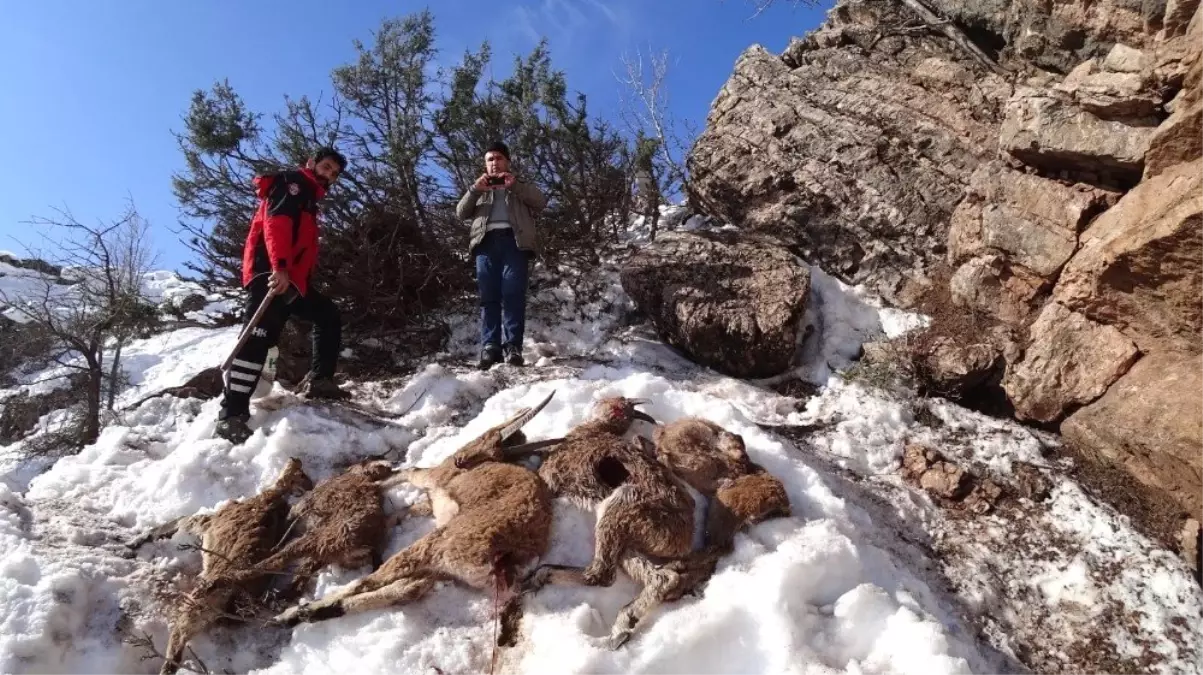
495	180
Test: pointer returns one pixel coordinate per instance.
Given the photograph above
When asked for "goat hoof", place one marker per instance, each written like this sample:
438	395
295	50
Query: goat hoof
290	617
593	577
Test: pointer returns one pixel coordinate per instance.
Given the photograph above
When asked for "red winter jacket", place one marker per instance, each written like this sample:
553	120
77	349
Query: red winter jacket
284	230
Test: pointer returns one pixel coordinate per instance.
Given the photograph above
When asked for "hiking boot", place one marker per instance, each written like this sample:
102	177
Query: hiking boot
234	429
324	388
513	356
489	357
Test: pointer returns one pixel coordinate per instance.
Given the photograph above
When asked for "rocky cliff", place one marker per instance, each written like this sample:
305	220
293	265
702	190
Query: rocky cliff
1040	160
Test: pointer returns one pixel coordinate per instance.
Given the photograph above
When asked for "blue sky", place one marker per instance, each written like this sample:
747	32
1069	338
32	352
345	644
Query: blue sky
91	91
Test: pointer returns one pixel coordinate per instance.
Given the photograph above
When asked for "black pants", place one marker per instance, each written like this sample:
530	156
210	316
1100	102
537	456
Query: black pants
244	373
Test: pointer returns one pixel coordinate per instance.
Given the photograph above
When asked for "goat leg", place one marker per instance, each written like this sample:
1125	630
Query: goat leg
557	575
660	584
411	566
401	591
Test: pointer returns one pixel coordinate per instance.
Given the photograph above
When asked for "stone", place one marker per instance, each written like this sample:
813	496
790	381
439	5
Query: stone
944	479
1150	423
1125	59
1176	141
1140	266
1035	221
1049	133
998	289
732	301
1111	95
1178	14
1070	361
951	368
1030	481
1190	544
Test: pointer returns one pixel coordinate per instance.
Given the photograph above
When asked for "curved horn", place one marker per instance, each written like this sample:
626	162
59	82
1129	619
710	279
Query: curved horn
533	448
522	417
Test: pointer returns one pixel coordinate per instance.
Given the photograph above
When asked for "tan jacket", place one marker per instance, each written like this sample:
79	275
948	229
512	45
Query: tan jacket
524	201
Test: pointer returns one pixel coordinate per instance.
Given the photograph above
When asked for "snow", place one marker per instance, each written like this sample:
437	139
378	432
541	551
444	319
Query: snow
847	584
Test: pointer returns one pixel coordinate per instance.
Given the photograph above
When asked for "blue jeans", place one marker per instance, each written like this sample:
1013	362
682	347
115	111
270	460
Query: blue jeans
501	272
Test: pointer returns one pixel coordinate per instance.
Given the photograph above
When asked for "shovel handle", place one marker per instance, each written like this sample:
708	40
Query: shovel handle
246	331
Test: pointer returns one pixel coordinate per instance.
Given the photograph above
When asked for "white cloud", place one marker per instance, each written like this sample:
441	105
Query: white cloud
563	20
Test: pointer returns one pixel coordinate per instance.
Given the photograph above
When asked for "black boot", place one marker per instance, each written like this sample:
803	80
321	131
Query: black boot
234	429
513	356
489	357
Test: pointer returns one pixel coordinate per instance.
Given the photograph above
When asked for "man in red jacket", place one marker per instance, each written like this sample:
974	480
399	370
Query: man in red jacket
279	255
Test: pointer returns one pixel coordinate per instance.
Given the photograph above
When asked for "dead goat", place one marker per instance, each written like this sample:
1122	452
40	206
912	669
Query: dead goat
645	514
234	538
341	521
493	519
715	462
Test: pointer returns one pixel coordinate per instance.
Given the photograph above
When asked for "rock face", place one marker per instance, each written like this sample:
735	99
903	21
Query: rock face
1065	199
990	285
1141	264
1179	138
1034	221
1070	361
1056	36
1150	423
732	301
856	158
1046	132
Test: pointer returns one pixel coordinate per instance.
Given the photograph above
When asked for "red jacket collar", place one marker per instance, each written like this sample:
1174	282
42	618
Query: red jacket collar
319	190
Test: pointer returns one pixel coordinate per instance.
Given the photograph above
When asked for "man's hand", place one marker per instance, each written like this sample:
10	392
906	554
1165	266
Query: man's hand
278	282
482	183
508	178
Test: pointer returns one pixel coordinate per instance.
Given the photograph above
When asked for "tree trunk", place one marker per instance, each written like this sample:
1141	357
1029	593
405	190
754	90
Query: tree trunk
114	374
91	430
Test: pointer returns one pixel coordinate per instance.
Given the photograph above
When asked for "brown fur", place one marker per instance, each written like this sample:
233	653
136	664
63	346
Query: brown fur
645	524
701	452
234	538
715	462
341	521
645	514
493	519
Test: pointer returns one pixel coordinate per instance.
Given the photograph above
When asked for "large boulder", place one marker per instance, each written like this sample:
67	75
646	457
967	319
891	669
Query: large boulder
732	301
855	158
1149	422
1044	130
1140	267
1070	361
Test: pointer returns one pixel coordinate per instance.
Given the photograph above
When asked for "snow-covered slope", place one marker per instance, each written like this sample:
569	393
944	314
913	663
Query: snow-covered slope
869	575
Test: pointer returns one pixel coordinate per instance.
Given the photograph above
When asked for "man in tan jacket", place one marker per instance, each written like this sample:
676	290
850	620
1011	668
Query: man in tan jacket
502	209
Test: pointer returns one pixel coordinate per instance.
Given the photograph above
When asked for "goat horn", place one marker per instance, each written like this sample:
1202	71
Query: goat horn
533	448
525	415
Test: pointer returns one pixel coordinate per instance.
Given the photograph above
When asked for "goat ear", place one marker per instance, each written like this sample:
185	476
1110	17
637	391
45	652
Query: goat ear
514	452
523	416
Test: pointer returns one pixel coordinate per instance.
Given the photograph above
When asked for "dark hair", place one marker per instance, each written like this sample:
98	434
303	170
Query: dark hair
331	153
499	147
